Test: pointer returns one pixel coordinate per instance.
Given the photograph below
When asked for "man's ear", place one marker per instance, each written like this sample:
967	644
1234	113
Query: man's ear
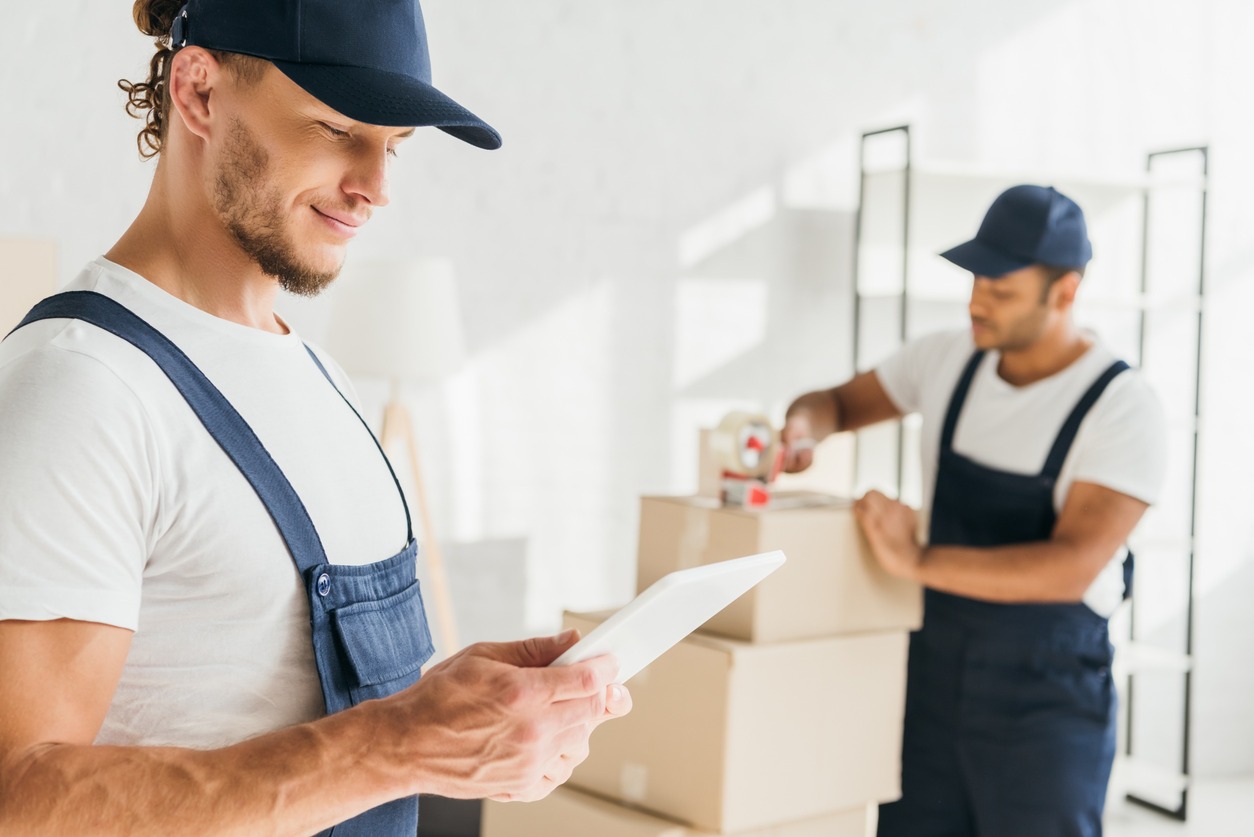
194	73
1064	289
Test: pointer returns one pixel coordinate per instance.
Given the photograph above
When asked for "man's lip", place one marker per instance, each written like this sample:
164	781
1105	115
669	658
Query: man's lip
344	218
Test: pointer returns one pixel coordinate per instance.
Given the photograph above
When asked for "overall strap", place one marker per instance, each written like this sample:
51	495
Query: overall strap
409	525
223	422
1062	445
958	399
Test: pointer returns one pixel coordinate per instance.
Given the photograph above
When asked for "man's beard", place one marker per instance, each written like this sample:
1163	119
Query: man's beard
252	215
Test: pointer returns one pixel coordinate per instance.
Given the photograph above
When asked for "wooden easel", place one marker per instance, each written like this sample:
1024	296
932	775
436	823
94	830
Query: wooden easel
397	422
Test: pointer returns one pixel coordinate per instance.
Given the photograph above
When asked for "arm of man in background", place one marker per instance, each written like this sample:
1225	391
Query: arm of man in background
1094	523
491	721
814	416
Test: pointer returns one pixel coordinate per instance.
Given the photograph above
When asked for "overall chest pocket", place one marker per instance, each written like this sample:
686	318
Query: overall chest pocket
384	643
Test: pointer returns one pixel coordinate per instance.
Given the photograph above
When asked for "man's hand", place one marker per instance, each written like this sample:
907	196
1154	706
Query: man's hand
813	417
891	529
494	721
797	437
490	721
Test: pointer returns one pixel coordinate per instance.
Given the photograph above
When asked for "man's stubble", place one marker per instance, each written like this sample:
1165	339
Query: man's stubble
251	210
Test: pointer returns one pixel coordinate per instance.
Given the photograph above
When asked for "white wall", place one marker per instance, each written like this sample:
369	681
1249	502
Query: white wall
666	232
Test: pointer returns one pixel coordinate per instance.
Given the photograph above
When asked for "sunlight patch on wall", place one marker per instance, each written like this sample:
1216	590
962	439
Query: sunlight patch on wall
532	452
726	226
716	320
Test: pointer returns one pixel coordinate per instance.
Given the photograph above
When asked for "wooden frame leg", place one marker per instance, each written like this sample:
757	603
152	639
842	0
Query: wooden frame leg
397	421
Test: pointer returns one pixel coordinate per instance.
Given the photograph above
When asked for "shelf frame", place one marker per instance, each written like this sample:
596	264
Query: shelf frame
1181	811
904	295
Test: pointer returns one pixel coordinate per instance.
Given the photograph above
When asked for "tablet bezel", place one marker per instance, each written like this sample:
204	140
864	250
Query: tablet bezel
669	610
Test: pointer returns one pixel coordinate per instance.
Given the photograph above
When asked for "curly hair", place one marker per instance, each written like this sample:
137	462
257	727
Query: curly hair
149	100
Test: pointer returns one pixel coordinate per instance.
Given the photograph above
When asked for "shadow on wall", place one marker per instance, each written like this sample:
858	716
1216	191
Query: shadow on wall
673	108
1223	638
769	313
758	320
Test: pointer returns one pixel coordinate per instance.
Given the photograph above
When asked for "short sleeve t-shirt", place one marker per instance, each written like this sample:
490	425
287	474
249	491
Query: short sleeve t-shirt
116	506
1120	444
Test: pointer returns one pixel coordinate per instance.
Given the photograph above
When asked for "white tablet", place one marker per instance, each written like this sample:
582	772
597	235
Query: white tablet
673	607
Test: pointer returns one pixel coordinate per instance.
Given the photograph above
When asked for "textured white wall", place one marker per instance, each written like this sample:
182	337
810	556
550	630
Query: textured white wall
666	232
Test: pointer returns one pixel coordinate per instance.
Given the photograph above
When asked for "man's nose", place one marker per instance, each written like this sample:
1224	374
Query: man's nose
368	178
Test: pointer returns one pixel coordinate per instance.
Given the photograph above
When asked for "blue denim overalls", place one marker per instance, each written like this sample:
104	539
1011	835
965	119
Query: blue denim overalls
370	634
1010	708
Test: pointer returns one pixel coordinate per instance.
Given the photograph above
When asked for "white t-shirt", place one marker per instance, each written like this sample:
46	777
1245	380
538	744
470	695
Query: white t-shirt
1121	444
116	506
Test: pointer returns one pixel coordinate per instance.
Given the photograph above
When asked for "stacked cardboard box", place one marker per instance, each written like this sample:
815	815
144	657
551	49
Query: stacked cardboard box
570	812
782	714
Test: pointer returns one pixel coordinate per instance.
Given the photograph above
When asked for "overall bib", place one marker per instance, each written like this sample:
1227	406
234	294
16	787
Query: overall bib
1010	708
370	633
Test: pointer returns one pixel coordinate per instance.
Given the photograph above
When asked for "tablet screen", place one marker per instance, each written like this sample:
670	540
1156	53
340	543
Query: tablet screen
673	607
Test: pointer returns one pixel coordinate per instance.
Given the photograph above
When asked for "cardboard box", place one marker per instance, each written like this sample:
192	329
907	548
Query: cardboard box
830	585
570	813
30	274
730	736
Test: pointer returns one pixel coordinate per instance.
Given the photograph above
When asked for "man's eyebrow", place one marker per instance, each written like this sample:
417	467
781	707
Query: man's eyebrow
406	134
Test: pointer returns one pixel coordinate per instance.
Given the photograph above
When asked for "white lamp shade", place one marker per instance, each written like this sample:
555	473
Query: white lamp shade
30	268
397	319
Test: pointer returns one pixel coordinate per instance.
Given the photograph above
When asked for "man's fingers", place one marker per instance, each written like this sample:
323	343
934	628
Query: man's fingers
535	652
613	702
798	460
871	503
532	794
617	704
581	680
617	701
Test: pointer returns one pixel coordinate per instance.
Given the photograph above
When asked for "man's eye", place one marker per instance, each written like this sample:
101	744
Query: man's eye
335	132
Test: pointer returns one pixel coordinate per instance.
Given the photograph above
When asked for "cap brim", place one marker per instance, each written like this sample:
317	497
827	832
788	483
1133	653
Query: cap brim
982	260
394	99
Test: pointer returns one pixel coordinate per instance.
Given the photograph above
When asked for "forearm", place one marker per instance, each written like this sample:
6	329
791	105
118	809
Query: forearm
1041	571
820	410
855	404
296	781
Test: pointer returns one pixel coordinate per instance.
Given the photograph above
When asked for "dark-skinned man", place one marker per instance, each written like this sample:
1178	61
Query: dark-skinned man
1040	453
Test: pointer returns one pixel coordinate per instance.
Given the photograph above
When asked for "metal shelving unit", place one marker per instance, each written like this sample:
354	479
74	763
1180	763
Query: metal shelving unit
901	134
899	294
1156	785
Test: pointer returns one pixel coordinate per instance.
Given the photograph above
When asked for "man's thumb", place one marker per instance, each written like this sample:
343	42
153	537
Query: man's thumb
542	650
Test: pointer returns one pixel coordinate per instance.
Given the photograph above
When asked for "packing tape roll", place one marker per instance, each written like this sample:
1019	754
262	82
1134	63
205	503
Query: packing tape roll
744	443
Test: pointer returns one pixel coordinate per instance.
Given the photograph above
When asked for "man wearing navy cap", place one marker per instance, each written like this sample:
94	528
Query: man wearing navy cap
1040	452
209	617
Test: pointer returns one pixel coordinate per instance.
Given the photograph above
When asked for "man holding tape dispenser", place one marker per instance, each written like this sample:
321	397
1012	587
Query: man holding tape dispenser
1040	453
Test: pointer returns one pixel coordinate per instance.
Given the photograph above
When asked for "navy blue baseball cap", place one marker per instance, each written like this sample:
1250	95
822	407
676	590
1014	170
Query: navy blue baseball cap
1026	225
367	59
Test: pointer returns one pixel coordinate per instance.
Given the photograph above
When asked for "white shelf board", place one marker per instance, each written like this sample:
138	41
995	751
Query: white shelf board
1146	302
1098	304
1153	544
916	296
1136	657
974	174
1153	782
1185	425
